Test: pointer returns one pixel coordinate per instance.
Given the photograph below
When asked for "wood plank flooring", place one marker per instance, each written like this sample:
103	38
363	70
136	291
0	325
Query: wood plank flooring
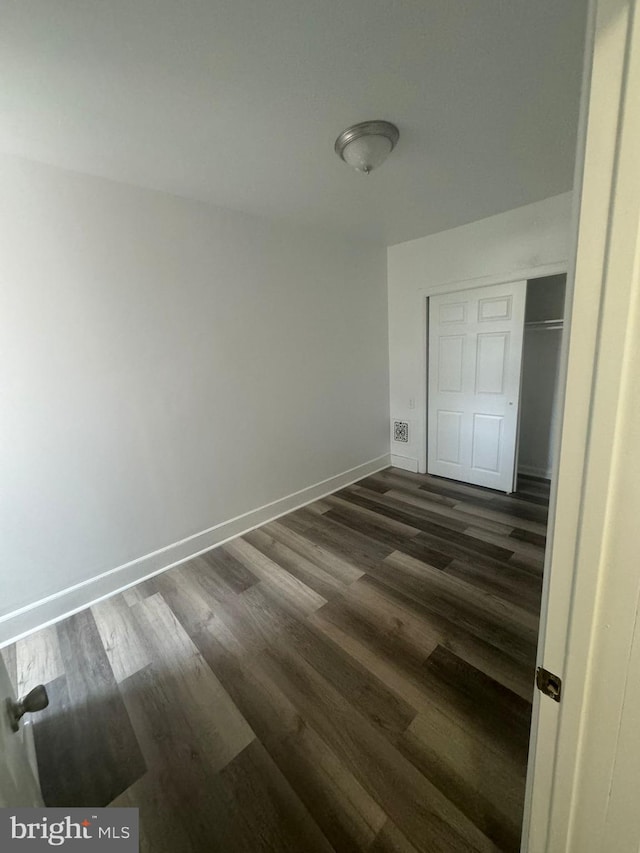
356	676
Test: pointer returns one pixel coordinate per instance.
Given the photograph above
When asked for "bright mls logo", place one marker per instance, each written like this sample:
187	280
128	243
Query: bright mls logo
70	829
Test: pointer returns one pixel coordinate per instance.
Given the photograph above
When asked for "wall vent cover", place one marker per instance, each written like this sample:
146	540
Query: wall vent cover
401	431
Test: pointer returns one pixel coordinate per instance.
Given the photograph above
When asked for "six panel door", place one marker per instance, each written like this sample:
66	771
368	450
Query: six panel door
475	355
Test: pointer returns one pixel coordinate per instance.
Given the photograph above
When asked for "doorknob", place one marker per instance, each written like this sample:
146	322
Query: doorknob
35	700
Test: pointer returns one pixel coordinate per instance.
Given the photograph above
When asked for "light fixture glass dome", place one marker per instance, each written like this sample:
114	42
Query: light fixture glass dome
367	152
366	145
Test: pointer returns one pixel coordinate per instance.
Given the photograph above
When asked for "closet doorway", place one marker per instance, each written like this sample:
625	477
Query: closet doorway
540	392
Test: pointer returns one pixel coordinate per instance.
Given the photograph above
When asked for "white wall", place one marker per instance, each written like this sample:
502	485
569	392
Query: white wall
166	366
509	244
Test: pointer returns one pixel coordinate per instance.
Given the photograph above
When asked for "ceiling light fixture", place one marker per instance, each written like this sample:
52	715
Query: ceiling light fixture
366	145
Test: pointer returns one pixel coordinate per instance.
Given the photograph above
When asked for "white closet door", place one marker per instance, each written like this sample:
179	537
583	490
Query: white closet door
475	354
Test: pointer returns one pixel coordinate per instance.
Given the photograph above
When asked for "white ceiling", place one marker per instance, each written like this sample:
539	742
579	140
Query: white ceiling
238	102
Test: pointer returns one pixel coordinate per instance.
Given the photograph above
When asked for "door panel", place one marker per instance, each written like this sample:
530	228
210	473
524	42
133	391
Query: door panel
455	312
449	437
475	353
451	361
494	308
487	435
18	781
491	363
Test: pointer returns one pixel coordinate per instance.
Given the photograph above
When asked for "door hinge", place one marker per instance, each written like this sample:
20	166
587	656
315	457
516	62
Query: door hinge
548	683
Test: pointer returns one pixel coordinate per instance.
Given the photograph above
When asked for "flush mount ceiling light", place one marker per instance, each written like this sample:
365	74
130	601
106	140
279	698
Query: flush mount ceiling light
366	145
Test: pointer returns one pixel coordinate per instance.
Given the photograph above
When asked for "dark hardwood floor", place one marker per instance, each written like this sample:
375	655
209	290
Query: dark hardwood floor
355	676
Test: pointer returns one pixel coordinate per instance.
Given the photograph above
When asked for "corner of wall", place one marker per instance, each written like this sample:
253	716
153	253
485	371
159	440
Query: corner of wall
65	603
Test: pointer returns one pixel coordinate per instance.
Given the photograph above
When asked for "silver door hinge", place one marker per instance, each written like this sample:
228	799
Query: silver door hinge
548	683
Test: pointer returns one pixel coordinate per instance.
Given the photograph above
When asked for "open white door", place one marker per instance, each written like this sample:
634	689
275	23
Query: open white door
475	354
18	781
584	768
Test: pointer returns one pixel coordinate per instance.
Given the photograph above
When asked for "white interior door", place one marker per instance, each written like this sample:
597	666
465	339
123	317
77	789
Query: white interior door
18	776
475	355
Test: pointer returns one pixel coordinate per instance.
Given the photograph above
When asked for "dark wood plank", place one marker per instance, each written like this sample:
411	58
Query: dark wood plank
206	573
382	623
521	509
259	810
331	562
455	492
460	544
87	750
478	700
518	546
371	515
375	484
201	715
528	563
458	605
528	536
484	783
541	500
219	574
260	700
361	551
315	577
408	513
178	792
380	628
347	814
400	479
534	489
237	575
296	593
449	530
507	582
426	553
245	807
190	602
442	513
373	700
428	819
392	629
391	840
412	545
257	618
374	531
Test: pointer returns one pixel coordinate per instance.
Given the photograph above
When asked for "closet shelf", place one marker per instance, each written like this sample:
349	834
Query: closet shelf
544	324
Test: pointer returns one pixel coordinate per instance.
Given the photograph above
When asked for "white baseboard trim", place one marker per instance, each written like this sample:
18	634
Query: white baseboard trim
406	462
532	471
68	601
